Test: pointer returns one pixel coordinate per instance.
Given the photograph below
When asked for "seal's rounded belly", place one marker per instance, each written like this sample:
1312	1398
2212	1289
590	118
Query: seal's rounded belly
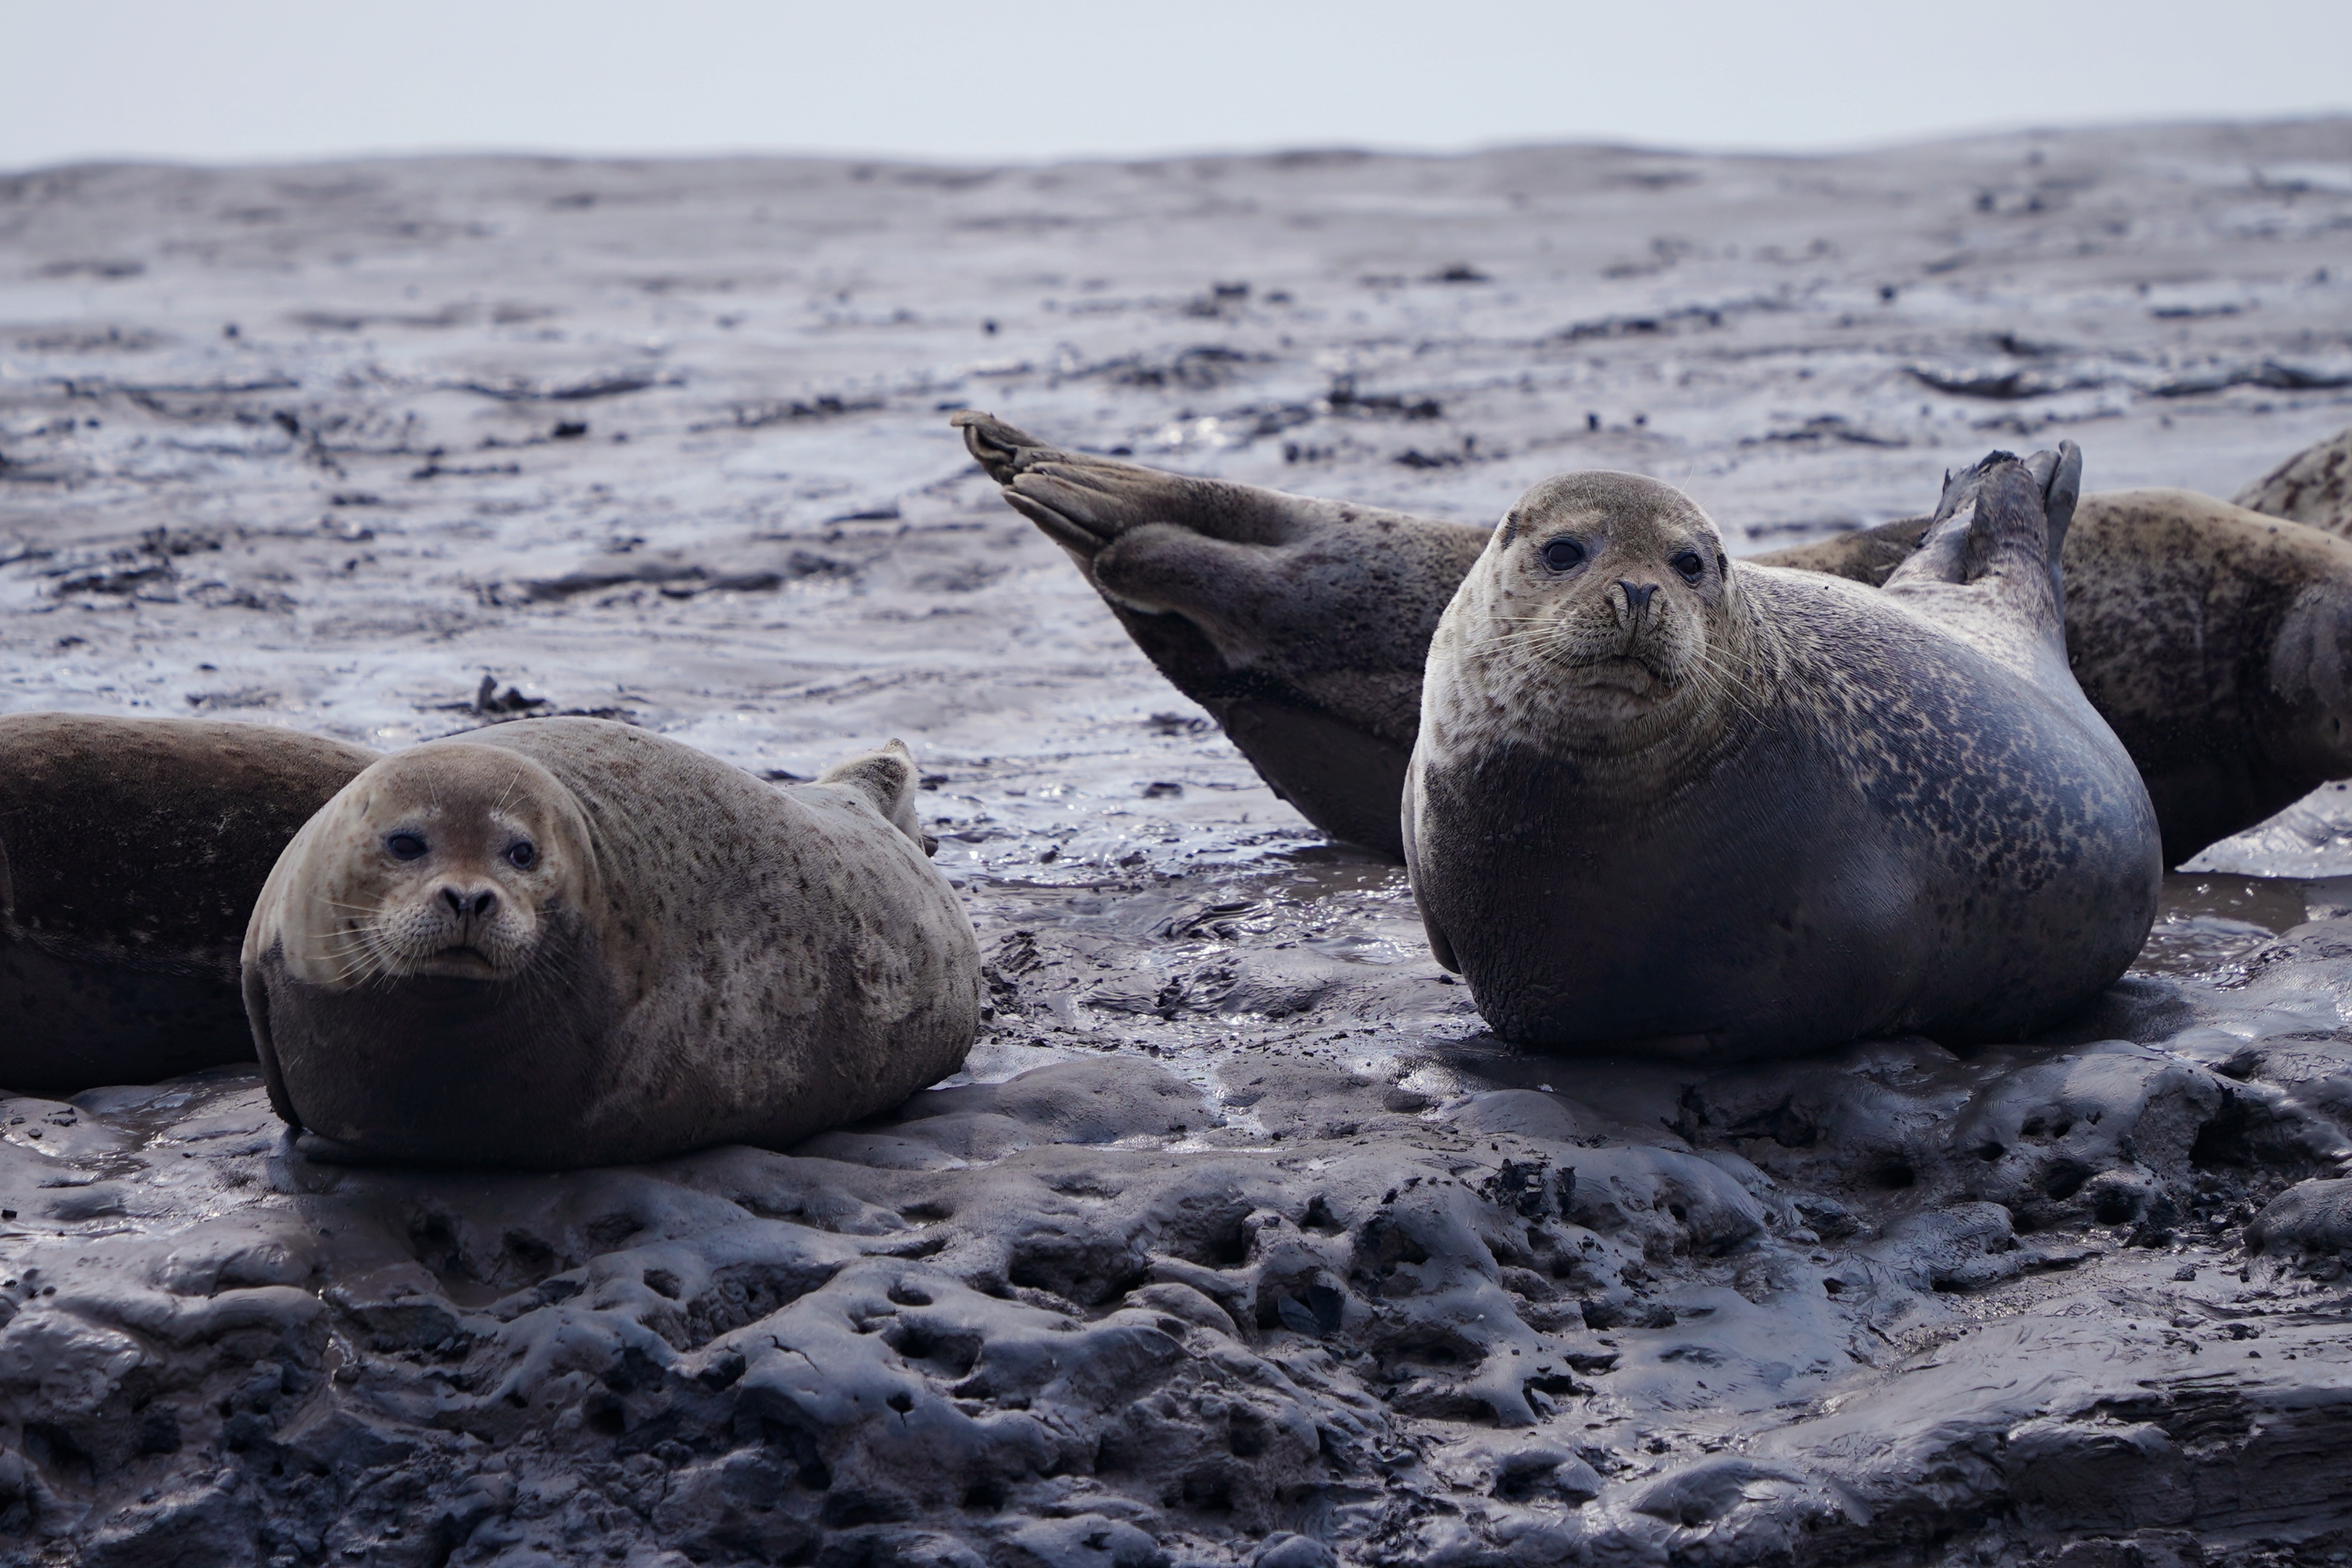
570	943
1730	810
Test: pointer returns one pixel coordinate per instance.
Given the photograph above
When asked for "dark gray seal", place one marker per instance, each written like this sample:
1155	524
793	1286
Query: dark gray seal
131	853
1300	624
1660	798
568	942
2213	639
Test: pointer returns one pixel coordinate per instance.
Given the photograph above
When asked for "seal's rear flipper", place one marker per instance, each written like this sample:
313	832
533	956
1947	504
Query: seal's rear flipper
2060	475
1300	624
885	776
1999	531
1002	449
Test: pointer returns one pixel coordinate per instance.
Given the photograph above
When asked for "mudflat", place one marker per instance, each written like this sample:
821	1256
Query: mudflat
1238	1239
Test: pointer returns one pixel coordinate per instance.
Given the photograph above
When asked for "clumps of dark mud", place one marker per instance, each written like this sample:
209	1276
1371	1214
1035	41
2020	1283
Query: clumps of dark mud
1405	1310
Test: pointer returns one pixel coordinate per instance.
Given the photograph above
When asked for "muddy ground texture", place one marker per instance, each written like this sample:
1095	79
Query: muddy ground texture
1239	1241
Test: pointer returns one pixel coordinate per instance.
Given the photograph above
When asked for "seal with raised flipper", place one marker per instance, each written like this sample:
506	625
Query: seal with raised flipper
1663	798
2212	638
569	941
131	853
1300	624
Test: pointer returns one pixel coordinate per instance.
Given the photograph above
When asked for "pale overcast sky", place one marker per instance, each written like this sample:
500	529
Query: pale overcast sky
989	79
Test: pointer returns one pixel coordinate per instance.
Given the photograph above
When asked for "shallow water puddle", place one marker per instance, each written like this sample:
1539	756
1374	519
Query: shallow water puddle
2207	924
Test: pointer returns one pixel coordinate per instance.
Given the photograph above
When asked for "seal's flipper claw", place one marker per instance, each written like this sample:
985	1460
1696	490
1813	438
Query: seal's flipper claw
1002	449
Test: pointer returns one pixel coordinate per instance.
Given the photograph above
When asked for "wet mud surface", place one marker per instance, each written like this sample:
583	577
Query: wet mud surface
1238	1240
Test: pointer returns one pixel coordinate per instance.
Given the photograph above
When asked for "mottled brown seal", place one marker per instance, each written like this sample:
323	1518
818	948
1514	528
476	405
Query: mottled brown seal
1300	624
2312	486
1730	810
131	853
568	943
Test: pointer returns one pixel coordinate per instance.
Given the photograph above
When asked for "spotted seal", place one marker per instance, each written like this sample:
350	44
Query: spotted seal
568	942
1732	811
131	853
2211	637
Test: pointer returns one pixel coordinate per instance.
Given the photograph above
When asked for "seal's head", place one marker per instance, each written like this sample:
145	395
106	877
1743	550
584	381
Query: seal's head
444	861
1602	614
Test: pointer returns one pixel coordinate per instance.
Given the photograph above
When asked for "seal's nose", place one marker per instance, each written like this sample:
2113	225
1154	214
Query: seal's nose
476	904
1633	599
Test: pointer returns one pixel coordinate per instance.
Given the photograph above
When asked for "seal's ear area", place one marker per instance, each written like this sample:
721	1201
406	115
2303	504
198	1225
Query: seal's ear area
885	776
1002	449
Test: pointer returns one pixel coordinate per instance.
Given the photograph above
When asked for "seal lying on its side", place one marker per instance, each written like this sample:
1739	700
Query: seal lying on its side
1301	625
1739	811
131	853
570	943
2214	640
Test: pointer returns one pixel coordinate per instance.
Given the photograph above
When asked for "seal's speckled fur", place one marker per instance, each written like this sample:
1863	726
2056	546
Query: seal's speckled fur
1295	622
709	959
130	852
1741	811
2214	640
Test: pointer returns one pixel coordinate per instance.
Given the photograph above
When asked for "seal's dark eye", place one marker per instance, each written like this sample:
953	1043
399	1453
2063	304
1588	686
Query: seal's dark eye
404	846
521	853
1689	564
1561	554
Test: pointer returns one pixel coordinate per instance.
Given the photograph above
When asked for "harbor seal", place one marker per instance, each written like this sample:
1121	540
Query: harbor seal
2214	640
568	942
1300	624
2314	486
131	853
1733	811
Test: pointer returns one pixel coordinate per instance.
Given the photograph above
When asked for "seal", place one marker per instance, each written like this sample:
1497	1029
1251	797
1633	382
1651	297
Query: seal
2314	486
567	941
2206	636
1300	624
2214	640
131	853
1733	811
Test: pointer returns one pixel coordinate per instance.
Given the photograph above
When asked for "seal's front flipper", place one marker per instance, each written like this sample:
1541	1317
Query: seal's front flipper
1441	946
887	778
257	1013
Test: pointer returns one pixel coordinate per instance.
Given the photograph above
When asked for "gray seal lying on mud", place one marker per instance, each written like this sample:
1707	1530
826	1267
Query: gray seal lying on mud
2213	639
131	853
570	943
1730	810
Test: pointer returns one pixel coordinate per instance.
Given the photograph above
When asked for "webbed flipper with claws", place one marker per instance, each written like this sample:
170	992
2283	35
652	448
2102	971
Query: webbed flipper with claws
1300	624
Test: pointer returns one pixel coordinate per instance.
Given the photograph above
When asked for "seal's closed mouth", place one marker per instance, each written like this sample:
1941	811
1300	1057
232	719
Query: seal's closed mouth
1625	669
